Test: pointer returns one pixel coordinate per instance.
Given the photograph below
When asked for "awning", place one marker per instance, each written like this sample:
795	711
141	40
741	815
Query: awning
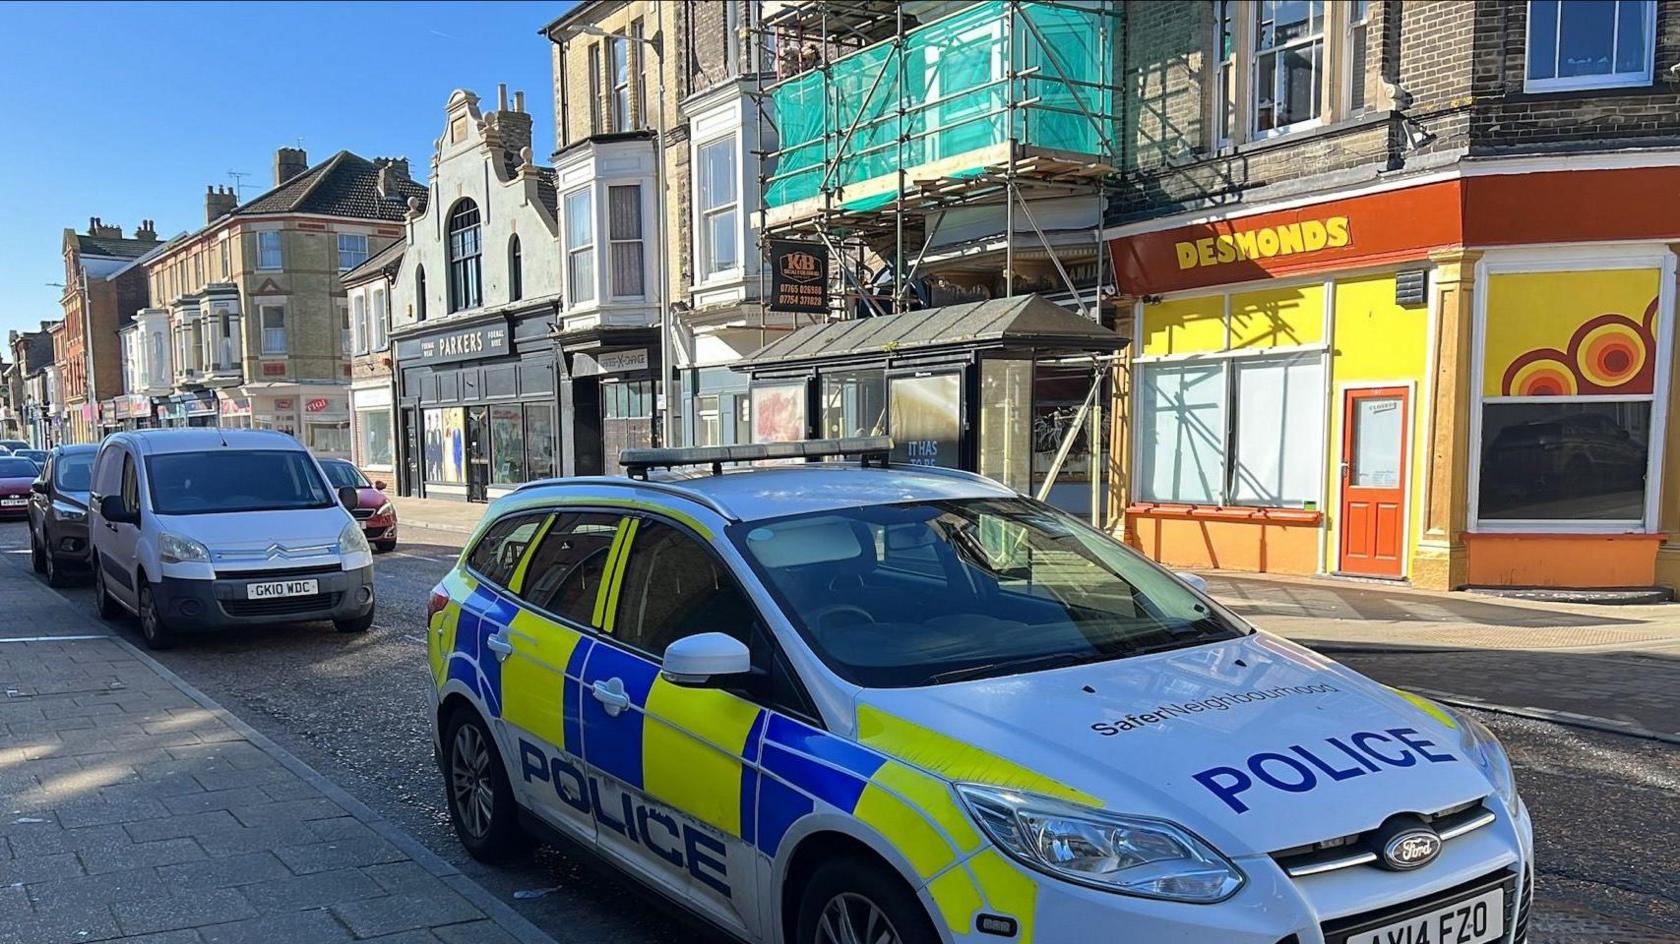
1025	323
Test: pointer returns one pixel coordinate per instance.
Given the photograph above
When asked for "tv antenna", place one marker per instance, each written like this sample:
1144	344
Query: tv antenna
239	183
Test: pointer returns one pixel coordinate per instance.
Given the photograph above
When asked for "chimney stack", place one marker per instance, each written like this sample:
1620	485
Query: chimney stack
501	96
392	171
219	202
510	130
288	163
97	227
147	231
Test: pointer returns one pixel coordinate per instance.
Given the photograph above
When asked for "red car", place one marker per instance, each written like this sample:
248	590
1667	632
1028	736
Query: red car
376	513
17	474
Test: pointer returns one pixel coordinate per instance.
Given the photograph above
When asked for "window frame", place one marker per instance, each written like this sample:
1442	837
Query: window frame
618	54
379	318
541	515
358	324
613	242
262	326
1606	80
464	270
364	250
703	244
1321	38
279	249
516	268
1573	259
573	298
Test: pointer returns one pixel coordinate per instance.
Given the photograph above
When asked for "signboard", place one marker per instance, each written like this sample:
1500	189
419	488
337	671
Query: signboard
274	369
235	406
618	362
798	276
315	405
284	405
926	419
198	403
464	344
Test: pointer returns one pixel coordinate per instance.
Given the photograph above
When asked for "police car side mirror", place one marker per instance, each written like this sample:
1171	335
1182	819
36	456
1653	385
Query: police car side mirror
706	660
1194	580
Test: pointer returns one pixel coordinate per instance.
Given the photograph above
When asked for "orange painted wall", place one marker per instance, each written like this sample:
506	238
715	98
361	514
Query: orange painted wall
1256	544
1562	560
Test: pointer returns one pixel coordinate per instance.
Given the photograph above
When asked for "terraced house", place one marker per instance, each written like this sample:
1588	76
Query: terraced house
259	330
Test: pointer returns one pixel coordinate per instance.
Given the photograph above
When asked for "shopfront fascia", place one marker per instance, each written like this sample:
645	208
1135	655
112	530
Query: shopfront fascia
993	387
1468	389
476	411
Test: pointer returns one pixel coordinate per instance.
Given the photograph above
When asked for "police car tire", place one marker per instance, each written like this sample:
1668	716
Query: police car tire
505	840
867	879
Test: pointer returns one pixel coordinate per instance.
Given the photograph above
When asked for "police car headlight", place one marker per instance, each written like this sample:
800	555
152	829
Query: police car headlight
1488	754
174	549
1127	854
352	541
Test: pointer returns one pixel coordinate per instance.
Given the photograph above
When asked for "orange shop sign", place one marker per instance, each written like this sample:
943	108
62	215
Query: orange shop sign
1389	226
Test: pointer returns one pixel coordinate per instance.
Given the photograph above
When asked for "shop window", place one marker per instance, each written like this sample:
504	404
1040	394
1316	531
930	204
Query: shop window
1582	44
925	414
708	430
445	445
507	445
465	251
626	419
624	235
1569	368
1241	431
539	440
580	247
328	438
1005	425
854	403
374	430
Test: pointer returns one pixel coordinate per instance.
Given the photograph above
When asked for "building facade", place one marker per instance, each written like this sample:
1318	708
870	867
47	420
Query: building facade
259	322
369	287
94	300
32	395
1402	287
475	295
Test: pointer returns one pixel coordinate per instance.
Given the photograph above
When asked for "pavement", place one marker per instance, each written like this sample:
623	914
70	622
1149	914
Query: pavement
134	808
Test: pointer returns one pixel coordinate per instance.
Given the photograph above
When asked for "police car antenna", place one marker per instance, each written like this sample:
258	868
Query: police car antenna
637	462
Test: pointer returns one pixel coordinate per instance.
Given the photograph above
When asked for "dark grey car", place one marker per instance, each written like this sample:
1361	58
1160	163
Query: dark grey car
58	505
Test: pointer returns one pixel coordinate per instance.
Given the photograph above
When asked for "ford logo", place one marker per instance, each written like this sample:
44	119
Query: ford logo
1412	849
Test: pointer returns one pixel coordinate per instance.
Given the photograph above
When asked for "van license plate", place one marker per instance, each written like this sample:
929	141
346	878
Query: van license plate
281	588
1470	921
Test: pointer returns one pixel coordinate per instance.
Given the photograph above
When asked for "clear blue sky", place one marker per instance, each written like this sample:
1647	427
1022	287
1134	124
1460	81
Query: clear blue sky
128	111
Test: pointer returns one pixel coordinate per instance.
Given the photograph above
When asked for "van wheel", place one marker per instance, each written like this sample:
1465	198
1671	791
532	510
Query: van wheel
851	899
108	608
481	804
358	624
37	557
152	626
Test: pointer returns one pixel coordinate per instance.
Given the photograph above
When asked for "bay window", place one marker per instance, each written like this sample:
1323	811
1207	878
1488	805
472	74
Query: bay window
624	235
719	206
1243	430
1582	44
580	246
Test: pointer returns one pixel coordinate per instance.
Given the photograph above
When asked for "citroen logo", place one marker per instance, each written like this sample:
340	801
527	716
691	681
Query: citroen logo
1411	849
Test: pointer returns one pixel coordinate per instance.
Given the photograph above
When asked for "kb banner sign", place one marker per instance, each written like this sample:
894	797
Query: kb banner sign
798	276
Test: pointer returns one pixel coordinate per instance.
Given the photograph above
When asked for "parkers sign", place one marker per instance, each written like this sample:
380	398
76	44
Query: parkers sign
462	344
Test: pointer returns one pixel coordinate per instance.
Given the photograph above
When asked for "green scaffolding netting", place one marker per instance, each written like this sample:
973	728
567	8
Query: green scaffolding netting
847	124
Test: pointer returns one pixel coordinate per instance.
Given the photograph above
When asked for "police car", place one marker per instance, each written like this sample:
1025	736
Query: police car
839	701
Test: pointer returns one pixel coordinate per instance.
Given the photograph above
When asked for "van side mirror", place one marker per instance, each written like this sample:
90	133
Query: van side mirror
706	660
1194	580
112	509
348	497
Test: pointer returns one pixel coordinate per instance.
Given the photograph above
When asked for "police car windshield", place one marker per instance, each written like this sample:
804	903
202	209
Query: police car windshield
894	596
201	483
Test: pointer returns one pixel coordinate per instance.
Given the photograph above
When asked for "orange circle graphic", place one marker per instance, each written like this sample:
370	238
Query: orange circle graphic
1542	377
1611	354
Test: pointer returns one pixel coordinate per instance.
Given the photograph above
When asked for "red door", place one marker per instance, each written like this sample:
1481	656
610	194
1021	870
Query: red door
1374	423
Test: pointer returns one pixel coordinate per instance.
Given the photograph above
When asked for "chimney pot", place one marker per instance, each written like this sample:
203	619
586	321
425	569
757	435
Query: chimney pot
501	96
519	101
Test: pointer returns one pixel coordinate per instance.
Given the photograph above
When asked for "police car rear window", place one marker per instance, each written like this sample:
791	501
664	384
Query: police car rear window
927	593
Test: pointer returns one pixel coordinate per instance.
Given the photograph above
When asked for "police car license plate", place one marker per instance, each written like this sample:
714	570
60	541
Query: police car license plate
1467	921
281	588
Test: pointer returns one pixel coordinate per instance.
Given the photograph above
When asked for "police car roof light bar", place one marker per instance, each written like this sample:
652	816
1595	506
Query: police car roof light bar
637	462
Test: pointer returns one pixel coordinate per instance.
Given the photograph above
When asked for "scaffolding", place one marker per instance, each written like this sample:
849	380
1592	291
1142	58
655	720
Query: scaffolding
877	125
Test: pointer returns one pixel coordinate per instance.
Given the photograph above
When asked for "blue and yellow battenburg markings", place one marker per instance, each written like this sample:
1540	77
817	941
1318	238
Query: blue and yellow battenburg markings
745	771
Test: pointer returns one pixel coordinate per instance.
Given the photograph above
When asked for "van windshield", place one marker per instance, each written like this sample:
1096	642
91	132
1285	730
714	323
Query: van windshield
221	481
904	595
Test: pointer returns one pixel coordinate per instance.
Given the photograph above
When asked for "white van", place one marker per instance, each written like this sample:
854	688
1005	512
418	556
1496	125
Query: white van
198	529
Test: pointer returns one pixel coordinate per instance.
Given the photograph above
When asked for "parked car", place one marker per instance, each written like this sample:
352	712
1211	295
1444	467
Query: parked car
8	446
202	529
375	511
17	477
58	533
821	702
37	456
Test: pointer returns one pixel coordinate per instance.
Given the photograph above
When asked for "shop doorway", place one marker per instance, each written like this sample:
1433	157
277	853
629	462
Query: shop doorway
1375	421
411	451
478	453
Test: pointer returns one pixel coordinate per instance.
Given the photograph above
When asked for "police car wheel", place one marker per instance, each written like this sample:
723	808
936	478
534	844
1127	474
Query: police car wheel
851	900
481	804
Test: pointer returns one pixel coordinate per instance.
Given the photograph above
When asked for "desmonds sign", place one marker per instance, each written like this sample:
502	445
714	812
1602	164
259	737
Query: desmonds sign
1263	243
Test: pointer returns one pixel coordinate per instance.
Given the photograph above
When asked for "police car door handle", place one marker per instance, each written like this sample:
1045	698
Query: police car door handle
611	694
500	645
